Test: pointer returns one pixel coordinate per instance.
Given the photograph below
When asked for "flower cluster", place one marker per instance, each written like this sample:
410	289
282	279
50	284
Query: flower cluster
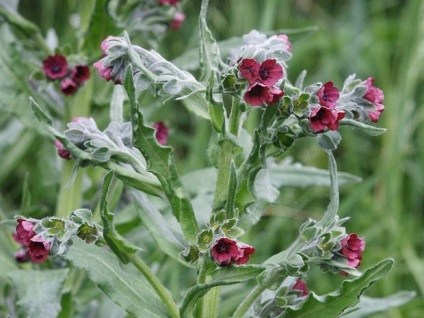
261	77
36	249
179	16
352	248
226	252
326	115
56	67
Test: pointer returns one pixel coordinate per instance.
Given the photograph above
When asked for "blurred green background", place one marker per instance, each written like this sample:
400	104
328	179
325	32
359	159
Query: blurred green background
331	40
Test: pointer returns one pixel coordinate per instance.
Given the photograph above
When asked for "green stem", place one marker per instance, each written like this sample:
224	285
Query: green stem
249	300
234	121
70	196
162	292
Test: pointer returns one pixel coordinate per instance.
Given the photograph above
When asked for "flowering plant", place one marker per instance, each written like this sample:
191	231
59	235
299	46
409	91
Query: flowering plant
197	221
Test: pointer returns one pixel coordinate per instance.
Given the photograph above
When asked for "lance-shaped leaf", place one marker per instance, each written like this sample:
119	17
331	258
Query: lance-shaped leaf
130	292
219	277
370	130
39	292
159	228
333	304
119	245
160	162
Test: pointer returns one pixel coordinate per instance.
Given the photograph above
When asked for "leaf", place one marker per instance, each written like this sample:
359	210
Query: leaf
232	187
160	162
219	277
288	174
370	130
119	245
369	305
333	304
209	50
38	292
329	140
159	228
129	291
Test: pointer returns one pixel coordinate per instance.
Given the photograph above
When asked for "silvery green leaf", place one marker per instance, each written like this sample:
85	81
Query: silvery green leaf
368	129
329	140
101	155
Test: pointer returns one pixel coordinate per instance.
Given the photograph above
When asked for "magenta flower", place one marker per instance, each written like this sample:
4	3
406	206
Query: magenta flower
62	151
68	86
80	74
352	248
301	286
376	97
226	251
323	117
38	249
21	256
24	232
249	69
177	21
55	66
276	95
328	95
270	72
162	132
257	94
104	72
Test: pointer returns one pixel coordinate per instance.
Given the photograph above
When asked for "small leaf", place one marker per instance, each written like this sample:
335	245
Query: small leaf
38	292
329	140
370	130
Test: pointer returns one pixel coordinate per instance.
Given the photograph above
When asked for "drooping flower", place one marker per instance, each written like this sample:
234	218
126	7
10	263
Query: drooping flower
68	86
177	21
162	132
249	69
376	97
301	286
62	151
21	256
257	94
38	249
80	73
328	95
352	248
270	72
323	117
104	72
226	251
276	95
55	66
24	231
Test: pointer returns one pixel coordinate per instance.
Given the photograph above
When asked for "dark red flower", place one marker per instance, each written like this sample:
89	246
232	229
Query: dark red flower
270	72
38	249
301	285
68	86
257	94
376	97
225	252
324	117
62	151
24	231
177	21
328	95
55	66
249	69
352	248
162	132
80	74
